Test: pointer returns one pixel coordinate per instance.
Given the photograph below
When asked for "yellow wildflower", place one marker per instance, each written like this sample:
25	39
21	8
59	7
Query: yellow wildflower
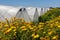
30	27
15	33
0	37
41	38
40	26
55	37
44	32
6	25
51	25
22	27
35	35
14	30
59	26
41	23
50	32
8	31
13	27
56	22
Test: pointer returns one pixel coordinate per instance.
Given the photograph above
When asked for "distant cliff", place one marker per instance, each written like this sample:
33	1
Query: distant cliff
9	11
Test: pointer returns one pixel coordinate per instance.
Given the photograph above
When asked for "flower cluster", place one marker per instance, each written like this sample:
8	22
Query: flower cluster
18	29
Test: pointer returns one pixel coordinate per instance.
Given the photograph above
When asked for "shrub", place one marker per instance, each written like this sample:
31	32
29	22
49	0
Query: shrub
51	14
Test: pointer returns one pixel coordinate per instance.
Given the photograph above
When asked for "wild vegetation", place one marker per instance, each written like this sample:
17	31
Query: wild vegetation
51	14
48	28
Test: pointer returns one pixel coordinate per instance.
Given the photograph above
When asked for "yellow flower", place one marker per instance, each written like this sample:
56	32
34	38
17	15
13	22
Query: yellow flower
59	26
30	27
6	25
14	30
51	25
41	23
13	27
0	26
35	35
55	37
50	32
15	33
0	37
47	37
40	26
22	27
8	31
41	38
56	22
44	32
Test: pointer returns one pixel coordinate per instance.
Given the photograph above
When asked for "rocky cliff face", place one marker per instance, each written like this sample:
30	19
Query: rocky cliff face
9	11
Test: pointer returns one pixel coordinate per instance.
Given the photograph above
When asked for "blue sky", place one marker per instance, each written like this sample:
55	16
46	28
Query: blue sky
33	3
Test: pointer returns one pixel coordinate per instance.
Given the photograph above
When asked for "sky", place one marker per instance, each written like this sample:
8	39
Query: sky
31	3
